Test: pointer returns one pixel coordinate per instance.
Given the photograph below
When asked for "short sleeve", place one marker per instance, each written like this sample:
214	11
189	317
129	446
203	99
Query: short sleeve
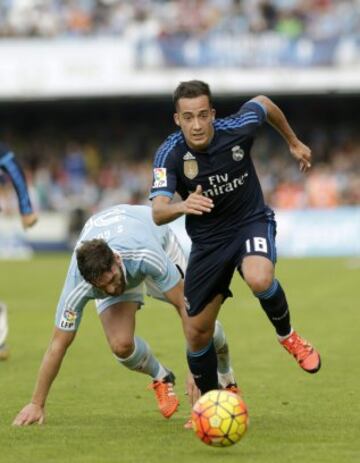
75	295
246	121
164	169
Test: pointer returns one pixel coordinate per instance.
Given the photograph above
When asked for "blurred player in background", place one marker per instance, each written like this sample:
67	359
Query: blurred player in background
208	163
118	251
11	167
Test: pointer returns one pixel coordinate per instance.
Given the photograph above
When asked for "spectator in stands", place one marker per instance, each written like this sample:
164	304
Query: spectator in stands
190	32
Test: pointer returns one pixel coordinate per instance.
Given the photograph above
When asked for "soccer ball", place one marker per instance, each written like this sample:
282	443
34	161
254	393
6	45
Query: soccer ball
220	418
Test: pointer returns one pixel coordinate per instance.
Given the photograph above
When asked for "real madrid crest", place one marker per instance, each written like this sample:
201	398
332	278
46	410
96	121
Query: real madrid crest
191	168
237	153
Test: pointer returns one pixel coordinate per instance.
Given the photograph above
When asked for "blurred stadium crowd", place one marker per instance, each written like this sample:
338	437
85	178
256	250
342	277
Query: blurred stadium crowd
67	175
105	166
217	33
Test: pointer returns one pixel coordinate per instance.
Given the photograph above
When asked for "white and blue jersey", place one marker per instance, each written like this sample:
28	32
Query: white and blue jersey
149	254
224	170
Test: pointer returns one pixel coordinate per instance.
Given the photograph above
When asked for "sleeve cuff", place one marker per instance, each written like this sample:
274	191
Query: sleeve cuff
261	106
161	193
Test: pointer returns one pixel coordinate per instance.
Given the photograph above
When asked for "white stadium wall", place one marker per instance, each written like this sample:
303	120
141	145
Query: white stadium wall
94	67
309	233
301	233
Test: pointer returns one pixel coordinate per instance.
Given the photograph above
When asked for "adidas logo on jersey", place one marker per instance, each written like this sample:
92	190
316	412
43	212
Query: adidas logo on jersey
189	157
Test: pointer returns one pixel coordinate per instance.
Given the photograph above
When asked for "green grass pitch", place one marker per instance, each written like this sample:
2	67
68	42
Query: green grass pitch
98	412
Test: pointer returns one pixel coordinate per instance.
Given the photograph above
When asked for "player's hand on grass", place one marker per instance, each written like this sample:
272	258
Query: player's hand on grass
196	203
302	153
28	220
192	390
30	414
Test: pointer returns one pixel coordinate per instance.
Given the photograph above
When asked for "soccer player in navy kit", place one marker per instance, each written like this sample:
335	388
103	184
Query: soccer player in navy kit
11	167
208	163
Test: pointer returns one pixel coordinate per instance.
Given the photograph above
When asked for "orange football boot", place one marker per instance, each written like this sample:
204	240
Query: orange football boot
165	395
305	355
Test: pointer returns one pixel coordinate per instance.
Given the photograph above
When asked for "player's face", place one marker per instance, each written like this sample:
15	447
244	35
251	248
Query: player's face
113	281
195	117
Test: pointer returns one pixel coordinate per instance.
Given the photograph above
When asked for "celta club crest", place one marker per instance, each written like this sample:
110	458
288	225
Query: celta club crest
237	153
191	168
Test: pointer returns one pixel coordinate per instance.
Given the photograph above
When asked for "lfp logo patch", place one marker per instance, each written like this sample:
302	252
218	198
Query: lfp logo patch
68	319
160	177
70	315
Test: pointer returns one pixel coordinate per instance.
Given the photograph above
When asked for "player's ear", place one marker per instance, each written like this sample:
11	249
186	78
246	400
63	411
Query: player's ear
176	119
213	114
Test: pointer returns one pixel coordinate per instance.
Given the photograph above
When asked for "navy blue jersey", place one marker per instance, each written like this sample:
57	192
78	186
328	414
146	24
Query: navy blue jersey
9	164
225	172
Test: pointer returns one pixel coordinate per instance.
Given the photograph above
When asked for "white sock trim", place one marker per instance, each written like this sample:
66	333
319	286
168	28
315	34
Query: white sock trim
282	338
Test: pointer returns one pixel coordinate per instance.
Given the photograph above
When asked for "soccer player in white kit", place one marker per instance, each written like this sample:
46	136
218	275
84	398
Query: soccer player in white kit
119	253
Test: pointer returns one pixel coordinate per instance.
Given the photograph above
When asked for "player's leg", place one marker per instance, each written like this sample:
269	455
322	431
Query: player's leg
4	351
176	254
201	353
258	272
225	372
258	269
207	282
226	377
134	353
199	330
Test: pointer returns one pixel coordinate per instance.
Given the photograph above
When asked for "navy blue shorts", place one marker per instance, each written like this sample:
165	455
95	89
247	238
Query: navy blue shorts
211	268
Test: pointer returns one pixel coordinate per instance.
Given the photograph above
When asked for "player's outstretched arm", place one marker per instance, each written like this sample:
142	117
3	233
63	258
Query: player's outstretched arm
28	220
10	165
277	119
191	390
34	412
176	296
165	211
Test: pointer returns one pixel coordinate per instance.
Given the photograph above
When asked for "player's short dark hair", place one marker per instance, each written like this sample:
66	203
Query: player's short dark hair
191	89
94	257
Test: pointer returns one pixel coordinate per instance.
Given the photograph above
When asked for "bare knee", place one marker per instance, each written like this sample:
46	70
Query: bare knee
198	337
122	348
258	272
259	281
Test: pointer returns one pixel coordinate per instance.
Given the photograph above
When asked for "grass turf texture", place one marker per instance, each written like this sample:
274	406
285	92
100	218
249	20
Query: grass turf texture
99	412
